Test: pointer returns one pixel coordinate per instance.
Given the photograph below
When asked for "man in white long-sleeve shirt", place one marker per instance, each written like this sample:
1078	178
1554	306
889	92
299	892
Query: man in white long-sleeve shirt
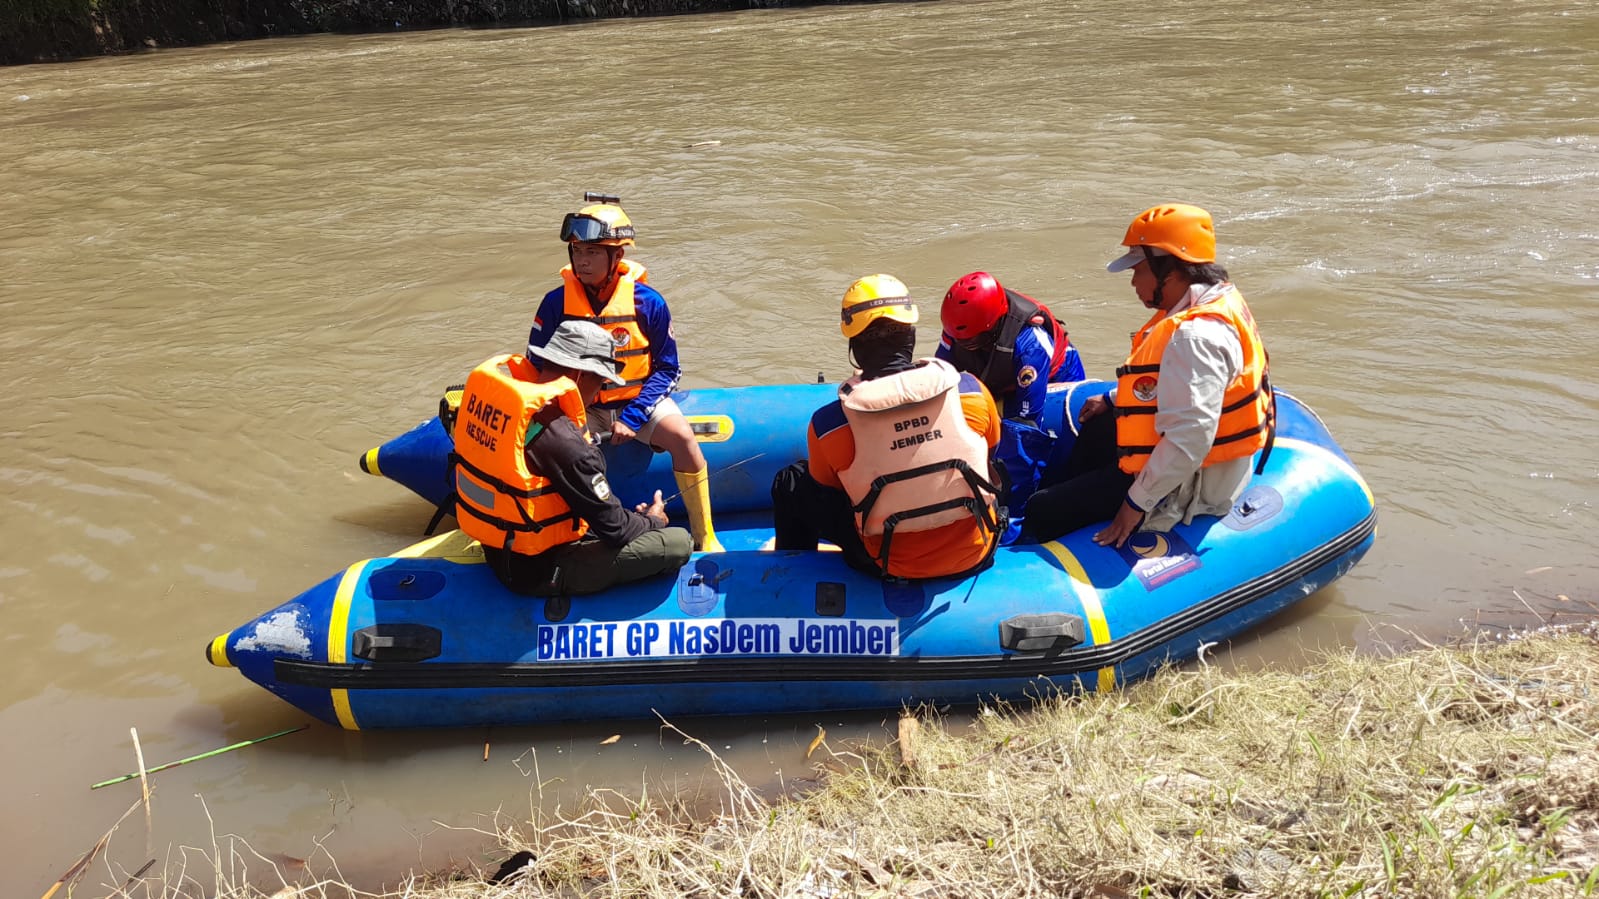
1191	405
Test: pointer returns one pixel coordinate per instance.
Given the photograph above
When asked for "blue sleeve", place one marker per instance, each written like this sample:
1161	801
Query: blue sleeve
1024	451
1032	360
943	352
655	320
1071	368
551	310
828	419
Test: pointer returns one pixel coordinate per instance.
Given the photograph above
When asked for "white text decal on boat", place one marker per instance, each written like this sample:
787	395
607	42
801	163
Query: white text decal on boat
718	637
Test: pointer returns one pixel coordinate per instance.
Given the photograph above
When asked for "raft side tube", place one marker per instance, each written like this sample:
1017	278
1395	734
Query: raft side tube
428	638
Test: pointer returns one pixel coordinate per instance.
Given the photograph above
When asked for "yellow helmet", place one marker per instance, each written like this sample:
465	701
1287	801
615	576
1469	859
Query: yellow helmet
874	297
603	223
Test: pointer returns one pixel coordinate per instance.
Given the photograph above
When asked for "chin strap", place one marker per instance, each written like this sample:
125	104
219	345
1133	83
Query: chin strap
1161	268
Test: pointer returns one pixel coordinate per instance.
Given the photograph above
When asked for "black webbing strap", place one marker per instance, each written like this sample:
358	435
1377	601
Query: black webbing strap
527	523
1243	402
445	508
882	481
498	484
1271	422
976	483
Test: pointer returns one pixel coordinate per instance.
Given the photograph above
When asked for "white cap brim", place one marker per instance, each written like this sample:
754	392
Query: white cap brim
1126	261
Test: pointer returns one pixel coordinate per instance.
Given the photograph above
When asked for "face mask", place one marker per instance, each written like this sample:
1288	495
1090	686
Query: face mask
876	357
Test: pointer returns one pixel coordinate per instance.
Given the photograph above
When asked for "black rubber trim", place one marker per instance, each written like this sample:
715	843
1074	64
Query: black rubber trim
445	676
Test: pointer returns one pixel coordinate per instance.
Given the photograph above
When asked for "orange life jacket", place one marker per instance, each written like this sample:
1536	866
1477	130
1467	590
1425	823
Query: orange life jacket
917	464
633	269
620	318
1246	404
499	501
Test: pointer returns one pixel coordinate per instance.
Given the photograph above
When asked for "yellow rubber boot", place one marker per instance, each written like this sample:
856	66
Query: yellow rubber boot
696	487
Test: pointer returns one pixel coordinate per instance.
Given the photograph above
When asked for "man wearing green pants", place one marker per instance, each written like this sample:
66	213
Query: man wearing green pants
531	486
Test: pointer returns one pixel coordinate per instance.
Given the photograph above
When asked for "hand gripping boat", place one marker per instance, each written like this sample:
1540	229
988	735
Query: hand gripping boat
428	638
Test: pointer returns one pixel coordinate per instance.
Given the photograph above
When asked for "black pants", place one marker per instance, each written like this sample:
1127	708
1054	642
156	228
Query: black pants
1087	489
805	512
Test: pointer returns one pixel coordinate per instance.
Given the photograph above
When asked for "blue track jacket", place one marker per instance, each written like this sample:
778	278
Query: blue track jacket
655	320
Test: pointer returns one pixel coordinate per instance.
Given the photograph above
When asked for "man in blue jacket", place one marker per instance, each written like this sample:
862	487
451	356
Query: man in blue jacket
1014	344
602	286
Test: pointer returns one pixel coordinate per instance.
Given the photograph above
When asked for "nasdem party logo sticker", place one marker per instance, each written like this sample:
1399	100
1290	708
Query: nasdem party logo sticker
1159	558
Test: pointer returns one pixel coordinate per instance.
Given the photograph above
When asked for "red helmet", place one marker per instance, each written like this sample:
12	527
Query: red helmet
972	306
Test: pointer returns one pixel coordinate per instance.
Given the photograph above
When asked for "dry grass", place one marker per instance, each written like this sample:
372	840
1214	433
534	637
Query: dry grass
1466	771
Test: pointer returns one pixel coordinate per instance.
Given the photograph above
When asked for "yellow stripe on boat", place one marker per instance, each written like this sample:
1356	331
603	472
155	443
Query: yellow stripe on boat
341	707
369	462
452	546
339	637
1088	597
217	652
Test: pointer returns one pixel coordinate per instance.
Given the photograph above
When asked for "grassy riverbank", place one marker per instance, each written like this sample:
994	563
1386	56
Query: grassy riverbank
53	30
1464	771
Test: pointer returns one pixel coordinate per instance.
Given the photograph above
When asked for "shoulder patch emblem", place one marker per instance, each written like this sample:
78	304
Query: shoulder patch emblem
602	487
1144	389
1026	376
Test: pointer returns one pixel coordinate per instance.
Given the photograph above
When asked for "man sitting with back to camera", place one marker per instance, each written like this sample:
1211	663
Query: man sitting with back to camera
1017	347
530	485
898	474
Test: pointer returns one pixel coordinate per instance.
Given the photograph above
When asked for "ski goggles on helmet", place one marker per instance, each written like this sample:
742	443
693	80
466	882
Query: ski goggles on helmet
587	229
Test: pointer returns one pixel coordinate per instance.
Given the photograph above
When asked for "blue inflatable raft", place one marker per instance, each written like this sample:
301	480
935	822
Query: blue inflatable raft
428	638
